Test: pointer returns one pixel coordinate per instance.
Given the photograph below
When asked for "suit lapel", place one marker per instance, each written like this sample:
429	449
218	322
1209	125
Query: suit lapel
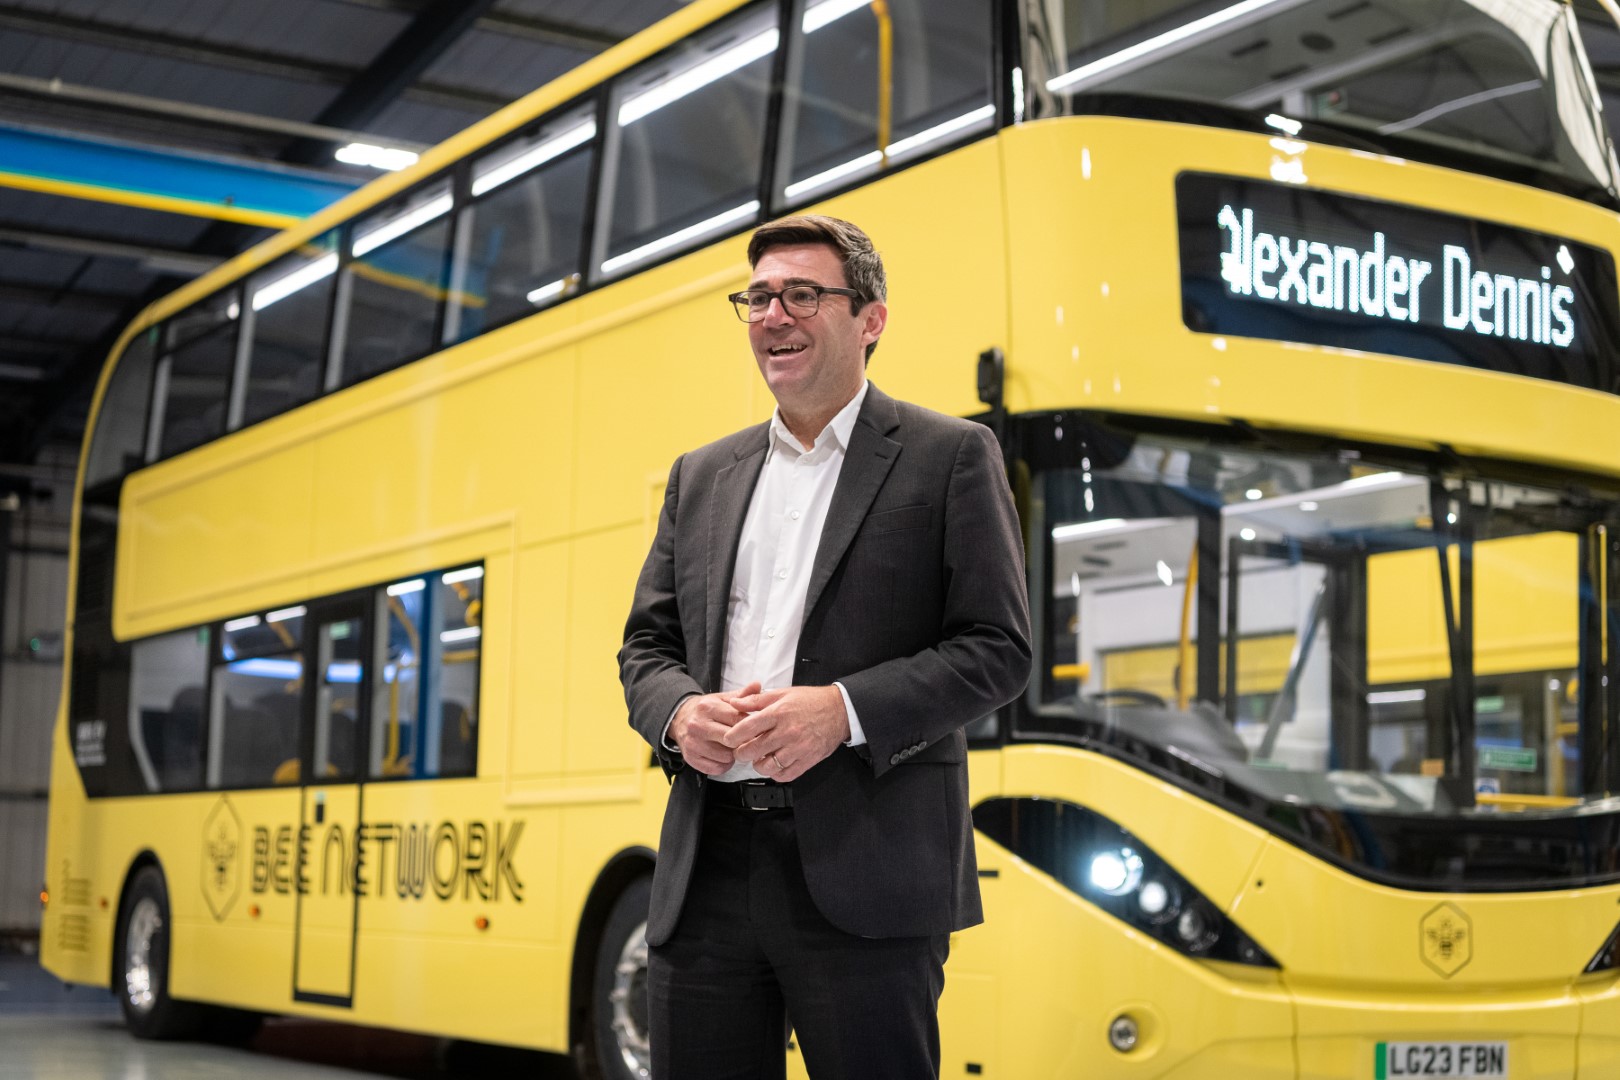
867	462
733	488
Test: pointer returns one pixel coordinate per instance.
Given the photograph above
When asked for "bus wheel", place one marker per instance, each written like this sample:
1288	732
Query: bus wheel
141	957
619	988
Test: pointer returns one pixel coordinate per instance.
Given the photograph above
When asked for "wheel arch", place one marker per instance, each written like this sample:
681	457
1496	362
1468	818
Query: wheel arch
624	868
143	858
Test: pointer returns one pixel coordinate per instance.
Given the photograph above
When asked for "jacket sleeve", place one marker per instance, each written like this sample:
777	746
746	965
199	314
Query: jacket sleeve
652	661
982	660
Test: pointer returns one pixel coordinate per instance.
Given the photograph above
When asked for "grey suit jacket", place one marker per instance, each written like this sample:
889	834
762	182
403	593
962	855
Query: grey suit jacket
917	604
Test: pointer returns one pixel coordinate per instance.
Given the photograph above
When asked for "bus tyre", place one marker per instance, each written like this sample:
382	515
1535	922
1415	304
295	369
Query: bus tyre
141	963
619	988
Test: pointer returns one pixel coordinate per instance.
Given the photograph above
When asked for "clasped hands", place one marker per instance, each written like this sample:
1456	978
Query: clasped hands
781	732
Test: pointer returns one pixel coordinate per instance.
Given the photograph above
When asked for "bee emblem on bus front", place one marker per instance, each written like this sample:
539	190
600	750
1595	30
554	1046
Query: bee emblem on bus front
222	839
1446	939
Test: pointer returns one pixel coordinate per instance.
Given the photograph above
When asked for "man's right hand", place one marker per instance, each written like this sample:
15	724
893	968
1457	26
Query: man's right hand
699	724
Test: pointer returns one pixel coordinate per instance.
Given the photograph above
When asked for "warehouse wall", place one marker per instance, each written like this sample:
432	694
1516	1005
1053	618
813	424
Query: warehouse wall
34	605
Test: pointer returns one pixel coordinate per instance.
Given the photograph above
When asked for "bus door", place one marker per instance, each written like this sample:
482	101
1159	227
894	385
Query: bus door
330	863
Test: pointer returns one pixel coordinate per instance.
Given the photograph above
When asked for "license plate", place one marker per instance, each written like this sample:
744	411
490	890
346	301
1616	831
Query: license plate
1463	1059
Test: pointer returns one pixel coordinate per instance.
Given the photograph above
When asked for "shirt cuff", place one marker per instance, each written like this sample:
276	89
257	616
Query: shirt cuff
664	738
857	736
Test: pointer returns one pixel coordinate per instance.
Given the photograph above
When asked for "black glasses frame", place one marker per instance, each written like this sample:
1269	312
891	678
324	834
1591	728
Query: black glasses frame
743	304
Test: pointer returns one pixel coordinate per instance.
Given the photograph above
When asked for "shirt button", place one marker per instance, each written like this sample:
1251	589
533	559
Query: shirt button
770	631
794	514
782	574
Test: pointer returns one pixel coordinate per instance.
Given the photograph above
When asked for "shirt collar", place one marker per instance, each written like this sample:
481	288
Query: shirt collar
839	427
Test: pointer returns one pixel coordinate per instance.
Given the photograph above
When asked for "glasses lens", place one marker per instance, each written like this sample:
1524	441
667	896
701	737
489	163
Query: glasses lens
750	308
801	300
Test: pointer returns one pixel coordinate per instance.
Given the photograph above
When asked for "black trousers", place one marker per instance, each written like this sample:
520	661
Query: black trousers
752	955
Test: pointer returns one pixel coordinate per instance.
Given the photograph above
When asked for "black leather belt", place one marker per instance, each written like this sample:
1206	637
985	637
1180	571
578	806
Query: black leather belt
751	794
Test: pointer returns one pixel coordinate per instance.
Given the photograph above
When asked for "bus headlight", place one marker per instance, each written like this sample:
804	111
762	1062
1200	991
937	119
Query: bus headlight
1096	859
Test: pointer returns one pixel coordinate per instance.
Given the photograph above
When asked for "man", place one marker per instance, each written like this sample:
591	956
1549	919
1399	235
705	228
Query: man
829	598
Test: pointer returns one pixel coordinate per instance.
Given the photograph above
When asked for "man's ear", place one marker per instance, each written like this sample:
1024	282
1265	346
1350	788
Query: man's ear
874	316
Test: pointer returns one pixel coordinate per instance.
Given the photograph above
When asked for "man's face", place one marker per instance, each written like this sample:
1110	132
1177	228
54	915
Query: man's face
815	362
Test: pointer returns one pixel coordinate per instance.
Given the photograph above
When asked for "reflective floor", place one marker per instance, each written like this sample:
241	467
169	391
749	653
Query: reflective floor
55	1033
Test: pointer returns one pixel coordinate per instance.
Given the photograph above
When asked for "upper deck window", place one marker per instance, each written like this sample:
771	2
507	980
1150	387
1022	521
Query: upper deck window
871	85
687	142
194	374
526	226
1504	87
119	440
289	305
396	283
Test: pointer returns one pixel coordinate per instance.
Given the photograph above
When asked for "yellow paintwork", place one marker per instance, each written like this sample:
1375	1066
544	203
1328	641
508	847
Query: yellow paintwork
541	449
147	201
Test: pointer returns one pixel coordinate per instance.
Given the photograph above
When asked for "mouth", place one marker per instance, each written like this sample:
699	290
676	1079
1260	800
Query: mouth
785	350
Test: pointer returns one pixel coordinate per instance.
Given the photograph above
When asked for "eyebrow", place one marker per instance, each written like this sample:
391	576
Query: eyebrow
787	284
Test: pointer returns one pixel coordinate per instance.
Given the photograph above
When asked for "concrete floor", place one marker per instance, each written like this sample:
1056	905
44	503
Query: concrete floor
51	1032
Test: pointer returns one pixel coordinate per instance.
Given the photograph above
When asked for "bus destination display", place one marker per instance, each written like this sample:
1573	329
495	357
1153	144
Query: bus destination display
1278	261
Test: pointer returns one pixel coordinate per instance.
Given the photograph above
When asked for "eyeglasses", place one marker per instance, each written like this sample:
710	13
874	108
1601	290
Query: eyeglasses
800	301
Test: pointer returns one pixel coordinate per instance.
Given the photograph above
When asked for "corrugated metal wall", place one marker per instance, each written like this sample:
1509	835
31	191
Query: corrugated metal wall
30	687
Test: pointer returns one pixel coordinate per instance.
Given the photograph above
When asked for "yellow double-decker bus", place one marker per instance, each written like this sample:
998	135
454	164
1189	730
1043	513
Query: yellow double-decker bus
1298	322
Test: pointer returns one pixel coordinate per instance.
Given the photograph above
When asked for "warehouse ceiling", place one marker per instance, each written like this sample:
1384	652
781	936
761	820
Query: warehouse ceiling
281	85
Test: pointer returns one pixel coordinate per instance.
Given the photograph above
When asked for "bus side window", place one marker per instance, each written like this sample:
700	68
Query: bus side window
254	712
194	374
684	156
289	306
394	286
118	444
424	718
525	228
940	87
167	694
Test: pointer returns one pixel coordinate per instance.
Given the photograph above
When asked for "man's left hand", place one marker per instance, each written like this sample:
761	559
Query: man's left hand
788	730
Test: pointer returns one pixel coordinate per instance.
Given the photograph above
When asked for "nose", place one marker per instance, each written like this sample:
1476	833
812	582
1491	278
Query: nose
776	313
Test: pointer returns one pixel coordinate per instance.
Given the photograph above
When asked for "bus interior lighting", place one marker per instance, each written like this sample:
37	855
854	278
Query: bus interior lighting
297	281
531	159
1088	528
895	149
547	292
247	622
830	11
675	239
697	77
1198	30
465	633
285	613
398	226
267	667
471	573
403	587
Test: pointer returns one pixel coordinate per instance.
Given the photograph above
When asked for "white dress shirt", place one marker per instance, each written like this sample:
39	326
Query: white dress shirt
780	536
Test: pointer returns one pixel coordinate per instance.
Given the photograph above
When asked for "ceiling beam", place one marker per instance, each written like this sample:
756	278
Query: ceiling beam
178	47
587	39
412	51
61	297
159	260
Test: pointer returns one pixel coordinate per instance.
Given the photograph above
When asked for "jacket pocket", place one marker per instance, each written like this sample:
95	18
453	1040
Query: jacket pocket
897	520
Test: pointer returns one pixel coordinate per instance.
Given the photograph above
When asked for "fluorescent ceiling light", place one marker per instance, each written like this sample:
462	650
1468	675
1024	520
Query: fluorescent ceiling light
343	671
285	614
1395	697
830	11
533	158
398	226
1375	480
675	239
1284	123
472	573
1163	570
895	149
1091	72
246	623
378	157
403	587
696	78
299	279
546	292
466	633
21	373
267	667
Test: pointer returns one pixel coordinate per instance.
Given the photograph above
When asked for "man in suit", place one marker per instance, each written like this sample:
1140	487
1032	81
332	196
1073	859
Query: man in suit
830	597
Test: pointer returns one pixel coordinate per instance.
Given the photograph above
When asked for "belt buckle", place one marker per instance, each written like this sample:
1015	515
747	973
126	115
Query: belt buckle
759	785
